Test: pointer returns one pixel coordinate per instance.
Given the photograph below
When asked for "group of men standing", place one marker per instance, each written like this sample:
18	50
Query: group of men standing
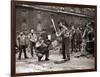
76	40
34	43
39	45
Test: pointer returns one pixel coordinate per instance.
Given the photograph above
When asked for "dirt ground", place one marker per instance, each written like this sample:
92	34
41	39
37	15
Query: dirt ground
32	64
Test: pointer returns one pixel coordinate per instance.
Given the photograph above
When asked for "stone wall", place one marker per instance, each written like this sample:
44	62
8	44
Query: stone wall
32	18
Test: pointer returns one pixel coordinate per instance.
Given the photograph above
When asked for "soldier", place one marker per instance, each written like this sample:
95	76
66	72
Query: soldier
47	41
22	45
87	41
84	40
42	48
33	38
78	39
64	33
72	38
90	39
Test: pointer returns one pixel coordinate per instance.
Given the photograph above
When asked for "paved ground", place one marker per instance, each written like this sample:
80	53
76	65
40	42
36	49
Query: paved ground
32	65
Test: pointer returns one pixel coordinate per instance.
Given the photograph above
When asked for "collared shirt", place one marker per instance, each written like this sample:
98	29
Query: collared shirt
32	37
66	34
22	39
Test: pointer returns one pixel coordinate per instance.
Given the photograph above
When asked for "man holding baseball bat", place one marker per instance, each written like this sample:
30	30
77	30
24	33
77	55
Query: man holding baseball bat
64	33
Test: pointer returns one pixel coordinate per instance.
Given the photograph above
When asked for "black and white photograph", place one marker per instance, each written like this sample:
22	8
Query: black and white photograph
50	37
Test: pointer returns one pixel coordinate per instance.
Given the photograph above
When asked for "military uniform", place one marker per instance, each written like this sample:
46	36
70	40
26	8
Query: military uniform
90	42
22	45
65	45
87	42
77	40
42	46
72	41
33	38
